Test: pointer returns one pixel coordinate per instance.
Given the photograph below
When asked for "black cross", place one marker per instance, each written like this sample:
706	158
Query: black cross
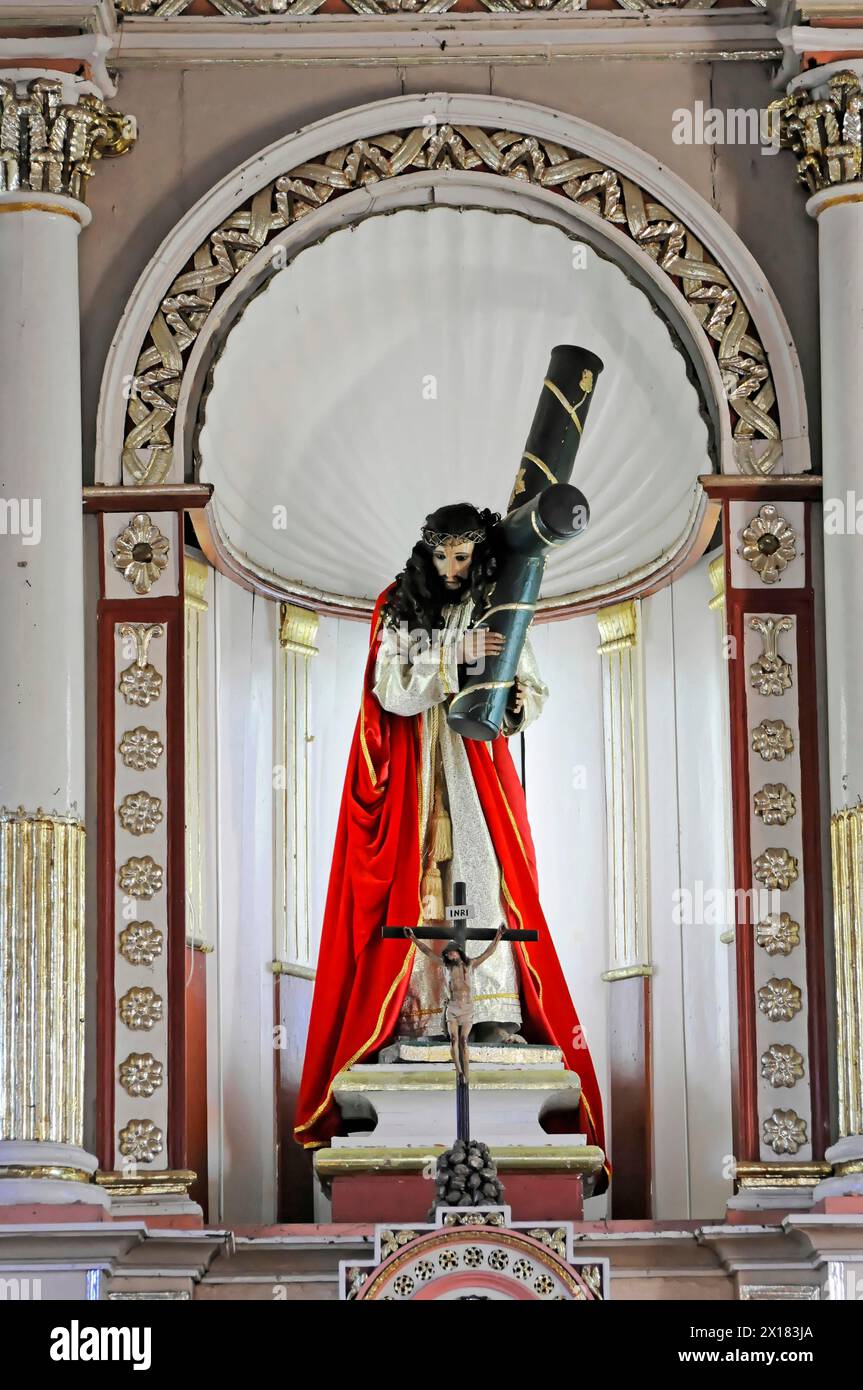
459	933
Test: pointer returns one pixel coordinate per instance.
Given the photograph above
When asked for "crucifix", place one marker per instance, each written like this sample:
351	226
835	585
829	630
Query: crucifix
458	970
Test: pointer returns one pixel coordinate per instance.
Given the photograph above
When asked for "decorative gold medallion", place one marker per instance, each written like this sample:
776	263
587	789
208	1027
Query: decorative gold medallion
141	553
141	1074
141	1008
141	1140
774	803
776	868
140	813
778	934
141	943
784	1132
141	878
769	544
780	1000
782	1065
772	740
141	749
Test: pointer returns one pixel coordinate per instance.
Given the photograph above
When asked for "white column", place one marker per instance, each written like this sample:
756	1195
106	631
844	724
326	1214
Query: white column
826	139
52	125
293	944
625	791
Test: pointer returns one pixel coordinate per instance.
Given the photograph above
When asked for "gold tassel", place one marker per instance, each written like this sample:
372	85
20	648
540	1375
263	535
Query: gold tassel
432	887
441	831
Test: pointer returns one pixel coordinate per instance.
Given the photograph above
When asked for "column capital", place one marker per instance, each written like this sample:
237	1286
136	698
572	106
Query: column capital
618	626
297	629
820	122
55	126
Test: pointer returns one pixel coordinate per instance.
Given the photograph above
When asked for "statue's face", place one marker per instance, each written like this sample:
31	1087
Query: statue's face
452	560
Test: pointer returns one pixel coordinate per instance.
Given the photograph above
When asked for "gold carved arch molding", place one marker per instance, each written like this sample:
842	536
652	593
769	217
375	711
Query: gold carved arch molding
714	300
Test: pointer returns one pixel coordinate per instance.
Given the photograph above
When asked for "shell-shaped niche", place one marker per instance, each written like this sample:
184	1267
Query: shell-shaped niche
395	366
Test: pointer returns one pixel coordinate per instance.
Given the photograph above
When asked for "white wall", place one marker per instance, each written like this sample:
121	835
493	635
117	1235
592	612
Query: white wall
566	807
241	669
336	681
686	678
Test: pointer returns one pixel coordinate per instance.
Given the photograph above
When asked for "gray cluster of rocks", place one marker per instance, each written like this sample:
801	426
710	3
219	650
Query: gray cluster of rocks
467	1177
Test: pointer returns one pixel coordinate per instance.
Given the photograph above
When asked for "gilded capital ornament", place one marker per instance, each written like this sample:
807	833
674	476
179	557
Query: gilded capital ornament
51	145
823	131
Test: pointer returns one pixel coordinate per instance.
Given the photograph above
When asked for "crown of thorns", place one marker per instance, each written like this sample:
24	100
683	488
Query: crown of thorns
433	538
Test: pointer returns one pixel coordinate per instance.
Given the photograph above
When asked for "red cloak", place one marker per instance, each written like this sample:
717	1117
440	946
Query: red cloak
362	978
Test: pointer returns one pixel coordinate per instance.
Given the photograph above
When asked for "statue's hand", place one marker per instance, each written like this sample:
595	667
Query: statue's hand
477	643
518	697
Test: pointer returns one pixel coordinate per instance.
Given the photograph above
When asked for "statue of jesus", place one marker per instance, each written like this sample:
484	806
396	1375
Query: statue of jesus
423	808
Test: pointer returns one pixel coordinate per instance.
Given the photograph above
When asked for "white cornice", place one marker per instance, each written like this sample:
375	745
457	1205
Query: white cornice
737	34
90	16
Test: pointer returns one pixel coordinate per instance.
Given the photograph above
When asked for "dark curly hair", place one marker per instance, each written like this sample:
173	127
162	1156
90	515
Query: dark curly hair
418	595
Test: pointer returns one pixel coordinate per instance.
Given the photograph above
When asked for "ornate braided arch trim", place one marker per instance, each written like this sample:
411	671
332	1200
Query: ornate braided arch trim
589	184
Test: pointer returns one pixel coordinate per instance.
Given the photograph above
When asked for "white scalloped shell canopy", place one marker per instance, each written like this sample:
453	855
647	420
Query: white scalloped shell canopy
395	366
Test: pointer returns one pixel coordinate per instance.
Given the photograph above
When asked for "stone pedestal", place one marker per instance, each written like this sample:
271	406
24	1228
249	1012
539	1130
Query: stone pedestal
401	1114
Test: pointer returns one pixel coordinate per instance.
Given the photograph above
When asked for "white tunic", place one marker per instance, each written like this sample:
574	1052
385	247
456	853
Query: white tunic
411	681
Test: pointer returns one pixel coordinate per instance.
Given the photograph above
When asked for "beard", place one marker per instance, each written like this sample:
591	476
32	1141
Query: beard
450	592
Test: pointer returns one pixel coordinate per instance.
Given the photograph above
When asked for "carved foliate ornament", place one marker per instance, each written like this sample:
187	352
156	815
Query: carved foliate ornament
770	674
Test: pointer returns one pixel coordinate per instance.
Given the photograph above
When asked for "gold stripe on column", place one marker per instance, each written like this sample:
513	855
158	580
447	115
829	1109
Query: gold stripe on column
41	977
846	838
